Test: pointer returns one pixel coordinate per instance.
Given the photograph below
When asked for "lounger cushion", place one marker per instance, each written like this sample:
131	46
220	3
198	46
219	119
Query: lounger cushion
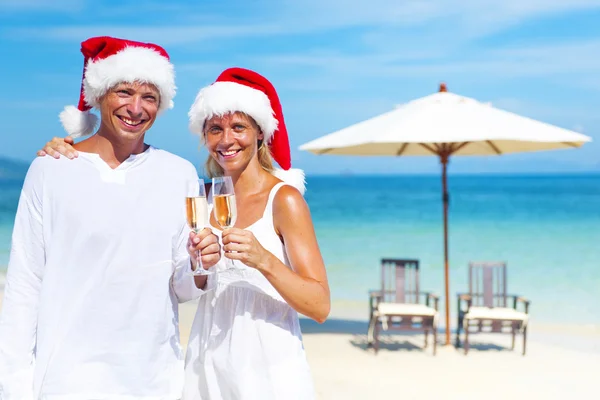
496	313
405	309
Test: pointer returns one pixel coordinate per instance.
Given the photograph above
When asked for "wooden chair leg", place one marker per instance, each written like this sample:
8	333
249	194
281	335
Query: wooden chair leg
435	339
458	326
426	335
370	330
514	334
524	340
376	336
466	343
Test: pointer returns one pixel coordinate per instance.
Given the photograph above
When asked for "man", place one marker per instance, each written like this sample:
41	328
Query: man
100	251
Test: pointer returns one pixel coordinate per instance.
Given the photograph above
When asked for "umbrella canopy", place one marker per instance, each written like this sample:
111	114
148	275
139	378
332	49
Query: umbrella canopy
445	124
474	128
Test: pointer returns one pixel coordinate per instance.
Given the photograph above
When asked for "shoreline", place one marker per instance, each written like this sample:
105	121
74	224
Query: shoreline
345	314
341	321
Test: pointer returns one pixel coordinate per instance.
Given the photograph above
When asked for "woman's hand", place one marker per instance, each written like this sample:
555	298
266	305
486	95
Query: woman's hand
59	146
240	244
207	243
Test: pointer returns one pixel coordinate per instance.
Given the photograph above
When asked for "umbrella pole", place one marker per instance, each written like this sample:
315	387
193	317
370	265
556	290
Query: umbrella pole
444	160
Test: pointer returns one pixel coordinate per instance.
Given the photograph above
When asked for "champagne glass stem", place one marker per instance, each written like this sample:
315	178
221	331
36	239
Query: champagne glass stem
199	265
228	261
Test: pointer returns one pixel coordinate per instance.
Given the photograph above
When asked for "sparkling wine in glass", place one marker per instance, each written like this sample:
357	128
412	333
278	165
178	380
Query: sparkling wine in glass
196	208
224	206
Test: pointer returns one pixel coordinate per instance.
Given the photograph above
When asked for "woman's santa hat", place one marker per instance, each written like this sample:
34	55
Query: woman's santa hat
239	89
109	61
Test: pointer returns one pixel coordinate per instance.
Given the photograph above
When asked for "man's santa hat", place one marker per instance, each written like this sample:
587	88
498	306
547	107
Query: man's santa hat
109	61
239	89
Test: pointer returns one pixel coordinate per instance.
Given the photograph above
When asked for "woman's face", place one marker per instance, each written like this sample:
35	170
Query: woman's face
232	140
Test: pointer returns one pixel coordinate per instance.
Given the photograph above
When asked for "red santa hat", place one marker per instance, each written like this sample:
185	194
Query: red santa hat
109	61
239	89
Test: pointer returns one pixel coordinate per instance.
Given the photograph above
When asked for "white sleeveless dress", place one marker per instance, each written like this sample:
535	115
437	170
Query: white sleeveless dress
245	341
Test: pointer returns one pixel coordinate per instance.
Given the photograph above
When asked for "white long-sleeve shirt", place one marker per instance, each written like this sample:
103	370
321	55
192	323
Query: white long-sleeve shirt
97	266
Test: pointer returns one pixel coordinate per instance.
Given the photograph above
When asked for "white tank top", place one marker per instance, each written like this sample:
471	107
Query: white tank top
264	231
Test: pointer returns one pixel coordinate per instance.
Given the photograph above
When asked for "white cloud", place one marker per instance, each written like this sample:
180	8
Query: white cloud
397	38
471	17
577	57
43	104
41	5
165	35
483	17
446	20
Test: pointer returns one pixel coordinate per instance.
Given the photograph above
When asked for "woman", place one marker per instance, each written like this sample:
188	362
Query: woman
245	341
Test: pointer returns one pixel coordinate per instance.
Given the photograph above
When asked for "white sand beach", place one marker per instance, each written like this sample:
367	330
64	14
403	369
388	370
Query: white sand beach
562	362
344	369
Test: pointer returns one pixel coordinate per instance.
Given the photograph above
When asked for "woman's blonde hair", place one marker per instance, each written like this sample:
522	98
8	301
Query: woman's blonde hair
212	167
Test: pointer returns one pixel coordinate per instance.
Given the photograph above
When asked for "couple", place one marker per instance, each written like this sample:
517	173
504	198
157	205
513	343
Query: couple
102	255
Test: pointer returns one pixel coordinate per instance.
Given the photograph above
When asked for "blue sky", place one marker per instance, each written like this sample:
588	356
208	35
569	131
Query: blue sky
334	63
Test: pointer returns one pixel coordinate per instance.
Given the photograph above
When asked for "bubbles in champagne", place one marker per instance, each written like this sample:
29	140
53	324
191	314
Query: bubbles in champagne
225	210
196	212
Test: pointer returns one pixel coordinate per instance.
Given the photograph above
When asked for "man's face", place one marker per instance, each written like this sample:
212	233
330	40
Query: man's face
129	109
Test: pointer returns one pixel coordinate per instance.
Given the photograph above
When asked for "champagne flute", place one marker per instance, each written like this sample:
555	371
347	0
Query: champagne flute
224	206
196	208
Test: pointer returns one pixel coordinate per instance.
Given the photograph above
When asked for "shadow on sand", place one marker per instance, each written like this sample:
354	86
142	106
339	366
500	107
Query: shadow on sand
394	341
407	341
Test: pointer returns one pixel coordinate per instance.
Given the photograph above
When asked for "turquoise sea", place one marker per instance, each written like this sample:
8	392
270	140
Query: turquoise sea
547	228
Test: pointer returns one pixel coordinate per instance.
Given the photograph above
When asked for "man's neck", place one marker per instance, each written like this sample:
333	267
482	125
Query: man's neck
112	150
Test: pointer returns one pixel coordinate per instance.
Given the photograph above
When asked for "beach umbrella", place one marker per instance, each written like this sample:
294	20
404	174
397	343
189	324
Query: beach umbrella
444	125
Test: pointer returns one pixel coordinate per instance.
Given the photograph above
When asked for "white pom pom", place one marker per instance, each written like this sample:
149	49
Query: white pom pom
292	176
78	123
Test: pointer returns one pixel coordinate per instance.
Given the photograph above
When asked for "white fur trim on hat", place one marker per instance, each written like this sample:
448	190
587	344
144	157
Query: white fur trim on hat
78	123
223	97
132	64
293	176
